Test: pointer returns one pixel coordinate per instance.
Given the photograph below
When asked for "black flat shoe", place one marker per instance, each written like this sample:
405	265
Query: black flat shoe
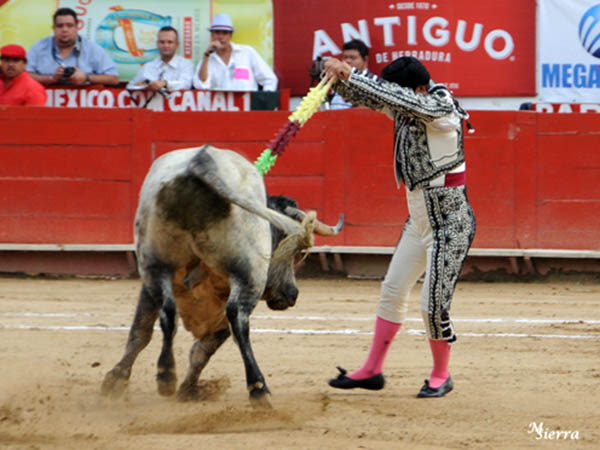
429	392
374	383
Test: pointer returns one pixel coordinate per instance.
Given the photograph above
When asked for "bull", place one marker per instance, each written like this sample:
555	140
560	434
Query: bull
210	243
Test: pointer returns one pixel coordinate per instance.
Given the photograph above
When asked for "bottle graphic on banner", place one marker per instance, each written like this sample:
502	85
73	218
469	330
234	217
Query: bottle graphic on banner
129	35
128	30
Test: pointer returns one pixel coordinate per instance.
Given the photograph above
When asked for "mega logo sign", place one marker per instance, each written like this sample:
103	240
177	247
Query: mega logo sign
475	48
589	31
569	51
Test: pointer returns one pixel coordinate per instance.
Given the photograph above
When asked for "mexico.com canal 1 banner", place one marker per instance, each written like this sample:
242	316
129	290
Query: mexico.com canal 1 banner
127	29
477	48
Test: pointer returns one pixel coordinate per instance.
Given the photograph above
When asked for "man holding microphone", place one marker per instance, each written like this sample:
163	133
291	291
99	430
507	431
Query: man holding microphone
229	66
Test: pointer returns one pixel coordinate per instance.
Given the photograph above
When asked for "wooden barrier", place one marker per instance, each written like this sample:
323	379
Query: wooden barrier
72	176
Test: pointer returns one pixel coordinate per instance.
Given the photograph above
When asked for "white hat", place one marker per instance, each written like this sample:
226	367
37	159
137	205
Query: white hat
221	22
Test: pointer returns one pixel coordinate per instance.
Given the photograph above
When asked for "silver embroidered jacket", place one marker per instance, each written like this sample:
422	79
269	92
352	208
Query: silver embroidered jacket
427	128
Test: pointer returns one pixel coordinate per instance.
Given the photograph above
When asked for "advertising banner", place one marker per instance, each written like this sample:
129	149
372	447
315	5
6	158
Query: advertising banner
192	100
475	48
567	108
569	59
24	22
128	29
178	101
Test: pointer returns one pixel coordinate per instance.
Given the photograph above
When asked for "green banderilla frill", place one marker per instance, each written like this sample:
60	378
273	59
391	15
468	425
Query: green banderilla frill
308	106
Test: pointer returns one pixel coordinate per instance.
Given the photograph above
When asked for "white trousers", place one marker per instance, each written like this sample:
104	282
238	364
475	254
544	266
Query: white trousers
419	251
409	261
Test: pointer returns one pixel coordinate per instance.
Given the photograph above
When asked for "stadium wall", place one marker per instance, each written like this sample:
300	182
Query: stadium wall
70	178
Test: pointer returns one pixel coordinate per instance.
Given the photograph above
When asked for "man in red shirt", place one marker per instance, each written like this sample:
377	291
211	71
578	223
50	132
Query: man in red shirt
16	86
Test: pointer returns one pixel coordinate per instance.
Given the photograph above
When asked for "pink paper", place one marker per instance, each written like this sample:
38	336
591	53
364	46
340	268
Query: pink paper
241	73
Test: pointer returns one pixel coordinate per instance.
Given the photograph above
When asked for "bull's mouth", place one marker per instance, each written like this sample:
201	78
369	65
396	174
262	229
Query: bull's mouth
280	304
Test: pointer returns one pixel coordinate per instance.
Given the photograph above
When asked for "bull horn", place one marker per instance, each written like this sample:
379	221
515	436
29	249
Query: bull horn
320	228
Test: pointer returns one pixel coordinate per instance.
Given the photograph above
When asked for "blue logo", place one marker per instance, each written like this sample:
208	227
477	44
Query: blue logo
589	31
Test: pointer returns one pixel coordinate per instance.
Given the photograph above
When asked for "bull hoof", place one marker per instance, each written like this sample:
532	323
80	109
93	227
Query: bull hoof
114	384
261	402
166	383
203	390
260	397
188	393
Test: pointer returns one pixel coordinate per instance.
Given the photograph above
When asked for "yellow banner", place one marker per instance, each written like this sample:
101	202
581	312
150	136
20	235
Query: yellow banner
24	22
127	29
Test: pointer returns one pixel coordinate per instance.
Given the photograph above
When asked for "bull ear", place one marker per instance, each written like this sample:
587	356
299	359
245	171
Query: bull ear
320	228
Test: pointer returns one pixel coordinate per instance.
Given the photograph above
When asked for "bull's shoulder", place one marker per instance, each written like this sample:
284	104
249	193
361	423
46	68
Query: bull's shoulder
193	189
172	163
227	168
190	204
215	166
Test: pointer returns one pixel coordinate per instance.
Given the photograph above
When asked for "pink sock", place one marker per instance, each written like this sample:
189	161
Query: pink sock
440	350
384	334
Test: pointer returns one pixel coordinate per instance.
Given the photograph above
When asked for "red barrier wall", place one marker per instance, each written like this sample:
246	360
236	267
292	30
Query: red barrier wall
72	176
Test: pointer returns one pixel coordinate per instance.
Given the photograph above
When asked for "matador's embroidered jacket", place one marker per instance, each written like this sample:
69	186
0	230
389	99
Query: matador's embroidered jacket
428	128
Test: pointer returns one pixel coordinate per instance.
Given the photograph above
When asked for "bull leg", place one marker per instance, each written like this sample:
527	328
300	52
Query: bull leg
200	353
166	376
140	333
240	305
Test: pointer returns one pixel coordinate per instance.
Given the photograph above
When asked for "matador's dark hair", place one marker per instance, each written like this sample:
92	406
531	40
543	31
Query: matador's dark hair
406	71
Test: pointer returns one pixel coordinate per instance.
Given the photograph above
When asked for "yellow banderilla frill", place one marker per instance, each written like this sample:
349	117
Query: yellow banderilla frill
308	106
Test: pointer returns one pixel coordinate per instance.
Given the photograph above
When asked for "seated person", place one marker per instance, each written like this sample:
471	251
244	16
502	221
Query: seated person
16	86
356	54
167	71
231	67
67	58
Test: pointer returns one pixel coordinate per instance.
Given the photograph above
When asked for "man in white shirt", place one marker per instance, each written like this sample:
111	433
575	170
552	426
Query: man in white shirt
168	71
231	67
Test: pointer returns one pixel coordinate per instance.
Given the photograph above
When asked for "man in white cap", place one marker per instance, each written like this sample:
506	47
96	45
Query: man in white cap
229	66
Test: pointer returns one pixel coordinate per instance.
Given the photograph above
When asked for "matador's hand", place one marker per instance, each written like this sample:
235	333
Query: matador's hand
334	68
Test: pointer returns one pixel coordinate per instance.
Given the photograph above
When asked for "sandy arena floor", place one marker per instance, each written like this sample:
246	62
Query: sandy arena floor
527	354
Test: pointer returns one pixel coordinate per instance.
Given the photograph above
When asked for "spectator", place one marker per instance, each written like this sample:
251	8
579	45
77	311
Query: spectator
526	106
67	58
356	54
229	66
16	86
168	71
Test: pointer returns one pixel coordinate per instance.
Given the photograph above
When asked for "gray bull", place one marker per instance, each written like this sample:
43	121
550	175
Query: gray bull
210	243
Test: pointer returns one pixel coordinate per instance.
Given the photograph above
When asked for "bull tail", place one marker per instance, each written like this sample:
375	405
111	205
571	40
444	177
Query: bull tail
205	168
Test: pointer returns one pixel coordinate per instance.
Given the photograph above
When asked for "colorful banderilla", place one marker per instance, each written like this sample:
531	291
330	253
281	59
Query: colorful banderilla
308	106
